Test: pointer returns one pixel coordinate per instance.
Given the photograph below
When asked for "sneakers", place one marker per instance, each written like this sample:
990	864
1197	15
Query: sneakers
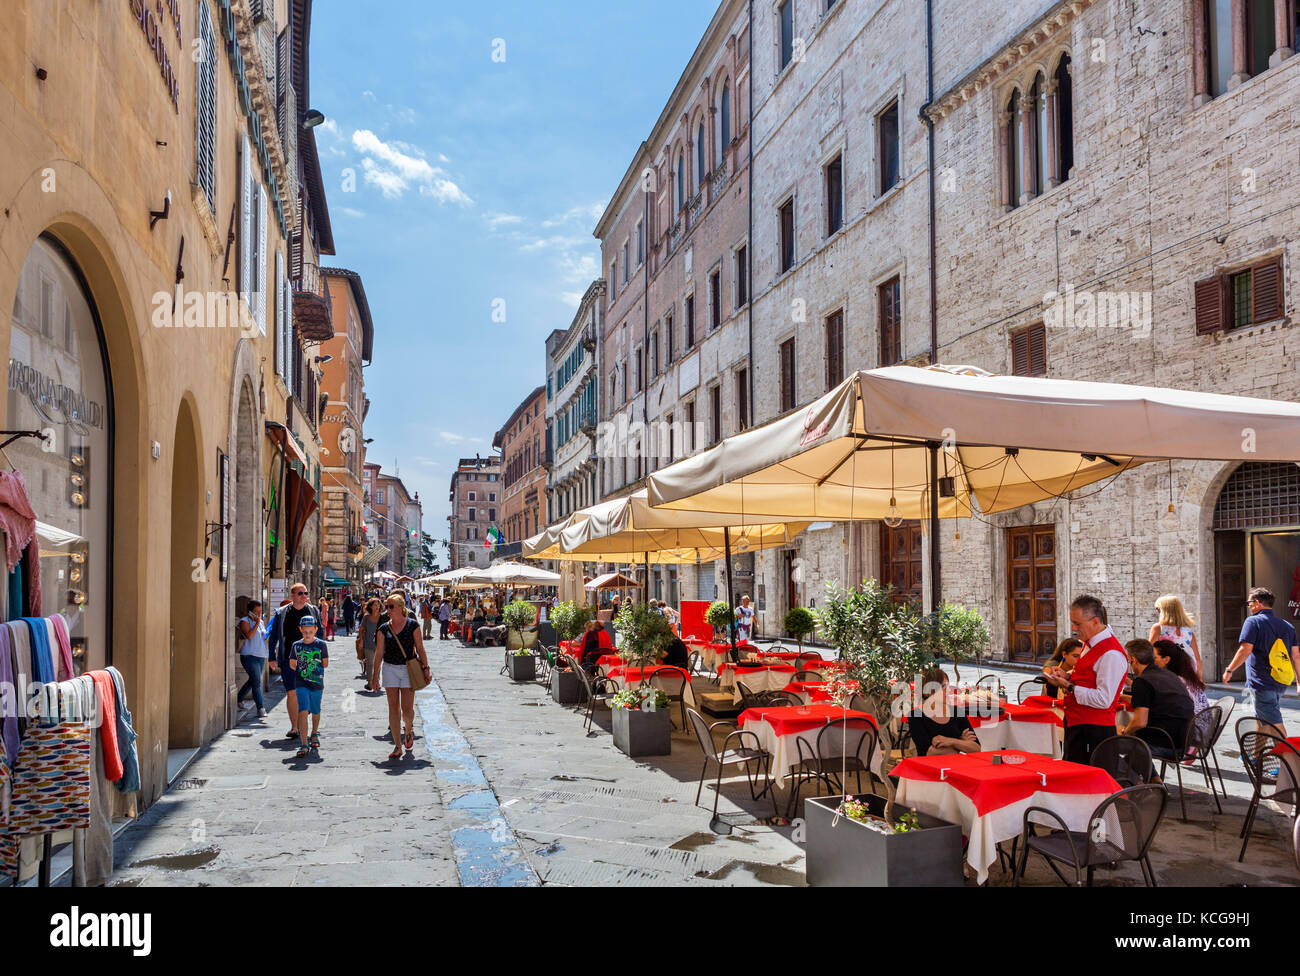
261	713
245	706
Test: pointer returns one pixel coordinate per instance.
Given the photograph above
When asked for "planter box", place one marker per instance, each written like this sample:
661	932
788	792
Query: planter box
851	855
523	668
639	733
566	688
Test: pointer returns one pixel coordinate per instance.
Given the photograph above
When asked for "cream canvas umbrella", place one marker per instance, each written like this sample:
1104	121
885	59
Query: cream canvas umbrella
511	574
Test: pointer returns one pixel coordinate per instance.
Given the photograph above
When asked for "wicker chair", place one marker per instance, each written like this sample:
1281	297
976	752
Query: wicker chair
1272	764
737	754
1126	757
1136	811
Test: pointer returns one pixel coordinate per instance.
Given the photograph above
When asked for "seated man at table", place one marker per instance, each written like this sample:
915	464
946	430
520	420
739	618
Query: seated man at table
934	729
677	656
1160	701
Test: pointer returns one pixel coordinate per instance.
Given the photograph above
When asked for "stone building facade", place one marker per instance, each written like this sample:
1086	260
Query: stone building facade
475	497
522	443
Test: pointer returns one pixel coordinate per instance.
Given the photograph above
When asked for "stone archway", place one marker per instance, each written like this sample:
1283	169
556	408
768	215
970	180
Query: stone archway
245	578
187	576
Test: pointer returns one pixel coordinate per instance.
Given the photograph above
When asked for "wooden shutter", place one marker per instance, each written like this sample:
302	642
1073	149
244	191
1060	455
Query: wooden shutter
246	245
1211	305
205	135
1029	351
1020	353
787	375
260	283
279	314
1266	287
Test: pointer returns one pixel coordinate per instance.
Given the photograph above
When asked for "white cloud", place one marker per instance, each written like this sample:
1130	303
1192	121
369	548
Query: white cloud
583	214
352	212
495	221
394	167
450	437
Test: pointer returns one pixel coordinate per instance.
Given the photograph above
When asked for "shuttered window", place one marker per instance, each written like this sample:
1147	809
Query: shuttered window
785	228
742	398
787	375
206	110
834	349
281	349
891	322
834	195
715	411
715	300
689	338
1029	351
1239	299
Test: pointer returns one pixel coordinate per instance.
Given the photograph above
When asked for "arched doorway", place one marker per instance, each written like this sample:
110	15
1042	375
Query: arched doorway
187	576
1256	543
245	545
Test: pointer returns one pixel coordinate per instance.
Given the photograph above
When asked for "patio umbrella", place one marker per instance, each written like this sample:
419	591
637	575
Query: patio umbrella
512	574
951	441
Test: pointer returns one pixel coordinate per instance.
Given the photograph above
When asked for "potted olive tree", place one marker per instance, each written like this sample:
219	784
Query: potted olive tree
799	623
720	617
569	620
867	840
640	715
517	616
959	634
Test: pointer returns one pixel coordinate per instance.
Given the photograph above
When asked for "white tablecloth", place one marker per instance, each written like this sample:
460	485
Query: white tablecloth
944	801
785	751
1008	733
762	679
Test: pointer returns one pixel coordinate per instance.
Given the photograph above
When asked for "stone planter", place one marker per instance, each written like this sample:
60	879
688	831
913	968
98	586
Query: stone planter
641	733
566	688
523	667
851	855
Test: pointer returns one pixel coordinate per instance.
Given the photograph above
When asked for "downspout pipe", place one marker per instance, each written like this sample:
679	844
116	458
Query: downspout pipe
936	581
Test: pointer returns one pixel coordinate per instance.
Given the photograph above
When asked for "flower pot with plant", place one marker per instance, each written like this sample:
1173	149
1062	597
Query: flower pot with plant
851	843
642	721
720	617
799	623
517	616
523	666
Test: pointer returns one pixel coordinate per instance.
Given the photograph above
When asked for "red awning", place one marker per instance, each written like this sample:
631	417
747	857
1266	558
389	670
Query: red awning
280	436
300	502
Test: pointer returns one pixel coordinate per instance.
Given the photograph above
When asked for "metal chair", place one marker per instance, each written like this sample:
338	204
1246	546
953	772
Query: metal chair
1295	842
806	676
1126	757
1031	686
1271	762
843	746
989	682
1194	749
544	657
595	691
672	682
695	663
1227	704
739	755
1136	812
782	698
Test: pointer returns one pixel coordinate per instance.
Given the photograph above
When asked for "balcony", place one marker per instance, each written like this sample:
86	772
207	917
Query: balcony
313	314
589	340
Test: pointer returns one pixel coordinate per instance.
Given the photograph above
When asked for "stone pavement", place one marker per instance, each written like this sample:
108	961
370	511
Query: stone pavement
507	789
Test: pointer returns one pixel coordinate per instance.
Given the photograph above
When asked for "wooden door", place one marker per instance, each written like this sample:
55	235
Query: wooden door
1230	594
900	560
1031	591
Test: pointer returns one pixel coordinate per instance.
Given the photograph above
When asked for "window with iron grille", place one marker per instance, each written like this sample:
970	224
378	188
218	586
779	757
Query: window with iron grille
891	322
786	357
1029	351
1259	495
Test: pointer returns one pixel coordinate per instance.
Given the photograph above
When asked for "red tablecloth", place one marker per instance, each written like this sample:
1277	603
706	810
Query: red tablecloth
743	669
1042	701
625	675
990	787
815	690
789	720
1293	739
779	655
610	660
1020	713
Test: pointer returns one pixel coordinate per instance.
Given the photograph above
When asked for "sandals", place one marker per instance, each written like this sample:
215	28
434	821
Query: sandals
396	753
314	741
410	741
302	753
291	734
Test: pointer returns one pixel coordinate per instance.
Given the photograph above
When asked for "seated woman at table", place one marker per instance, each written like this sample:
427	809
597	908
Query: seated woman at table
934	729
595	644
1065	657
1160	701
1172	656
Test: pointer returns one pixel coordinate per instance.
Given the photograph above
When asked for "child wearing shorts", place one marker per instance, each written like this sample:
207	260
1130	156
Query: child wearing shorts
309	658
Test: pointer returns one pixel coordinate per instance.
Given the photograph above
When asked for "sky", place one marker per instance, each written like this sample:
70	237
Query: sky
468	152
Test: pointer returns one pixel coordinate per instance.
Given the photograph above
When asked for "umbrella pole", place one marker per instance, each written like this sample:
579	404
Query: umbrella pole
936	583
731	597
645	594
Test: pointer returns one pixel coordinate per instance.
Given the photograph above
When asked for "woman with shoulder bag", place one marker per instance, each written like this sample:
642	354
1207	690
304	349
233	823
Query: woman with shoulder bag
368	638
399	644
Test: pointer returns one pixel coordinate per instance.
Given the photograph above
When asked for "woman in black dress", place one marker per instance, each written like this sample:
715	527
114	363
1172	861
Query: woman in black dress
934	729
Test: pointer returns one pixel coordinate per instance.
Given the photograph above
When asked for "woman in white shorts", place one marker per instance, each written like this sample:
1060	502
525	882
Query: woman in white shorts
399	641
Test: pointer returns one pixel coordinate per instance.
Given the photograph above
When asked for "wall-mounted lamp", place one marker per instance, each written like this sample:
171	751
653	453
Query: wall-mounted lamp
212	528
322	360
157	215
312	119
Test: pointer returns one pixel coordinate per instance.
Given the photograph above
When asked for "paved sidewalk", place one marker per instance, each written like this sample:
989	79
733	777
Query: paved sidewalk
247	812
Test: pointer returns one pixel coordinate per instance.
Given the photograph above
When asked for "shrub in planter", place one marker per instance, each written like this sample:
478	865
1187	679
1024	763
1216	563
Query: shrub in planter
643	634
719	616
799	623
641	722
850	843
518	615
523	666
569	619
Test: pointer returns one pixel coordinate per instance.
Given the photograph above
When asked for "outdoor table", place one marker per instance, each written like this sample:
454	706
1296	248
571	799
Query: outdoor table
758	677
828	670
785	657
626	676
989	801
811	692
714	655
607	662
1030	728
780	728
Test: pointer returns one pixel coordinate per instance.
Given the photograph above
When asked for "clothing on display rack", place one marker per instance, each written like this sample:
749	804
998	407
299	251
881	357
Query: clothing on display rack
18	520
126	736
67	670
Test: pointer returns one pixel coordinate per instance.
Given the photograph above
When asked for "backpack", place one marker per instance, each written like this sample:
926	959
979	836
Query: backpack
1279	662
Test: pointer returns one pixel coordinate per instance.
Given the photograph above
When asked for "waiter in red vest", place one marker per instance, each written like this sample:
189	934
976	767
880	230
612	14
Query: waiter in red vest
1093	688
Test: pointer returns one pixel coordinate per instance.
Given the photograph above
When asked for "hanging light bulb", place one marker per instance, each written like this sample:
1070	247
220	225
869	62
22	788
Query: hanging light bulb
956	541
893	517
741	544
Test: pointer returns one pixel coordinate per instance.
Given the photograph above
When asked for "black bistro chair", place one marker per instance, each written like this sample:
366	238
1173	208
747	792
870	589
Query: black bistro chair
1126	757
672	682
739	748
1196	748
1272	764
843	746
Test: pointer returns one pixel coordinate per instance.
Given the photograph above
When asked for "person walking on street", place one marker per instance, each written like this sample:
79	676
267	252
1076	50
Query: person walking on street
399	642
744	619
368	639
1175	624
426	615
1268	648
284	633
1093	688
324	620
252	655
308	659
444	619
349	614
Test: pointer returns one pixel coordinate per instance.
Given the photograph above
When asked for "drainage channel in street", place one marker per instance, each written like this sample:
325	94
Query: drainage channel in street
487	854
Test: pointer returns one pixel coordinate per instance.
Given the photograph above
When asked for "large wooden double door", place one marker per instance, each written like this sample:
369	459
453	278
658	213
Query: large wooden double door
901	561
1031	591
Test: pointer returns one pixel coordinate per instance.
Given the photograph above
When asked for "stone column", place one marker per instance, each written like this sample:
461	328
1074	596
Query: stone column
1028	130
1240	67
1004	159
1201	55
1053	176
1282	32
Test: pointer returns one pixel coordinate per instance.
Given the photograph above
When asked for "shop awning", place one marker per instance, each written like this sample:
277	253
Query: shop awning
300	504
371	559
331	578
280	436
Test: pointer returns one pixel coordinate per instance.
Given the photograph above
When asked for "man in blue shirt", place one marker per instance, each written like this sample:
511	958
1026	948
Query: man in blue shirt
1260	634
